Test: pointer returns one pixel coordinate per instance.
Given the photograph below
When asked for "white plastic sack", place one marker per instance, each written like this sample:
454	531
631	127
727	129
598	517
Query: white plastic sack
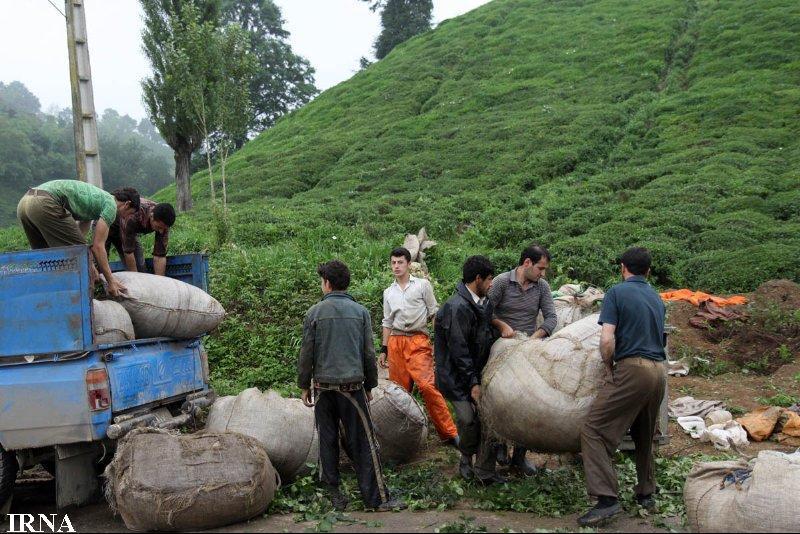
538	392
722	435
111	322
285	427
756	497
163	307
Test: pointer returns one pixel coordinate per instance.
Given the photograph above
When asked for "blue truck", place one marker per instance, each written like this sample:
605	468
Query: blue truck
65	399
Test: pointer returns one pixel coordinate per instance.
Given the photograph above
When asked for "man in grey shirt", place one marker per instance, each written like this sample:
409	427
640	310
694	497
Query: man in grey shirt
517	298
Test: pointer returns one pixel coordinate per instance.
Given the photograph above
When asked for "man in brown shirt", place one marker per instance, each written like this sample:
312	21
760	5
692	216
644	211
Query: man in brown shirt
149	218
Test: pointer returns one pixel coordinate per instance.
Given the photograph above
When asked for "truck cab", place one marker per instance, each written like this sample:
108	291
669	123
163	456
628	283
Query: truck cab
64	398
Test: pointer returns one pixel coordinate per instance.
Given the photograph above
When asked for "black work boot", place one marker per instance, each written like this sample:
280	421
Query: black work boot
648	502
494	478
338	499
465	467
392	504
520	464
501	452
605	510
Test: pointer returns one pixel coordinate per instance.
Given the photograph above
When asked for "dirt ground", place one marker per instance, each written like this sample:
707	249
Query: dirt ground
34	492
98	518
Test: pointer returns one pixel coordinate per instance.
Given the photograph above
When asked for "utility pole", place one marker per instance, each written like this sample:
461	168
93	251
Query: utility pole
84	121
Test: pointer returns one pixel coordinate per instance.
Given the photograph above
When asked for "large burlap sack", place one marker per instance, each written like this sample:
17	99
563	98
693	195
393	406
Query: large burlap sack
167	482
285	427
111	322
537	393
760	497
164	307
401	425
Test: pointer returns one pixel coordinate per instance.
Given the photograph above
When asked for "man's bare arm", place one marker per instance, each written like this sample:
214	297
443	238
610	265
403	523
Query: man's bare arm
160	265
608	344
383	358
505	330
130	262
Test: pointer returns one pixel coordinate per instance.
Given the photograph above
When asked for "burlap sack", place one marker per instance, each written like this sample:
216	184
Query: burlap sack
401	425
760	497
111	322
169	482
574	304
285	427
537	393
164	307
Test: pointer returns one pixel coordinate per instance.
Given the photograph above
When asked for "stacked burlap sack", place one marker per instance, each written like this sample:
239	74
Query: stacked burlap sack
740	496
164	481
551	382
155	306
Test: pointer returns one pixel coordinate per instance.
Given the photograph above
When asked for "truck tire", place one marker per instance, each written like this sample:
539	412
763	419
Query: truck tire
8	474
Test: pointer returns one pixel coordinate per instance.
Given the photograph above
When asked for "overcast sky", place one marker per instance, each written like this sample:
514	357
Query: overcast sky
331	34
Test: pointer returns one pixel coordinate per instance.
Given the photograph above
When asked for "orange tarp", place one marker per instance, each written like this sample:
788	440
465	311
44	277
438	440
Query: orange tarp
696	297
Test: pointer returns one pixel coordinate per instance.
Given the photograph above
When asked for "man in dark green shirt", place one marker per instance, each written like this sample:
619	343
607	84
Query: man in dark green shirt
337	370
59	213
632	347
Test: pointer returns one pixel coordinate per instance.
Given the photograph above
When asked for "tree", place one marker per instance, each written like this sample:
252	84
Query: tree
16	98
282	81
165	43
401	20
232	104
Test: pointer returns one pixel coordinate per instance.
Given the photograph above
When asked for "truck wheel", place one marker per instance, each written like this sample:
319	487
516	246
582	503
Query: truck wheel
8	474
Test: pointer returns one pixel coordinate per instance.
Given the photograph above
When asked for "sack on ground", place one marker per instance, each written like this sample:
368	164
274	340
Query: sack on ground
537	393
163	307
285	427
401	425
111	322
734	496
169	482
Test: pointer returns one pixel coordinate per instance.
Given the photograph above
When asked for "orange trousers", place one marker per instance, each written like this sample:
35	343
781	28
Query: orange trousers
411	360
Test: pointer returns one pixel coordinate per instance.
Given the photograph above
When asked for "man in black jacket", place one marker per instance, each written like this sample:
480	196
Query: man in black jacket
337	367
462	344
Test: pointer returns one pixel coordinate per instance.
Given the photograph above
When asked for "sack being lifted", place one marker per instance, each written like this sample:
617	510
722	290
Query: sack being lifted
538	392
163	307
734	496
169	482
285	427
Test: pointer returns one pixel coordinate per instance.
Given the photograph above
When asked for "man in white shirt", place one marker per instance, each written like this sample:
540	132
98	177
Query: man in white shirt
408	305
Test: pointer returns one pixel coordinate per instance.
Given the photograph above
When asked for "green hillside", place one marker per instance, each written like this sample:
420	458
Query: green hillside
585	126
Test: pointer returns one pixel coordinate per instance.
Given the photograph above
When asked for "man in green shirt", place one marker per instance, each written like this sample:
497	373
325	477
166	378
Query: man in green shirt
59	213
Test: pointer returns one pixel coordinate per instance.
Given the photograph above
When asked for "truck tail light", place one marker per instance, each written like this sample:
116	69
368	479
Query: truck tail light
97	389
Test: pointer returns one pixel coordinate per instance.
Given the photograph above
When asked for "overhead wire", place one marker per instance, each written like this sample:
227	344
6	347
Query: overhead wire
56	8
